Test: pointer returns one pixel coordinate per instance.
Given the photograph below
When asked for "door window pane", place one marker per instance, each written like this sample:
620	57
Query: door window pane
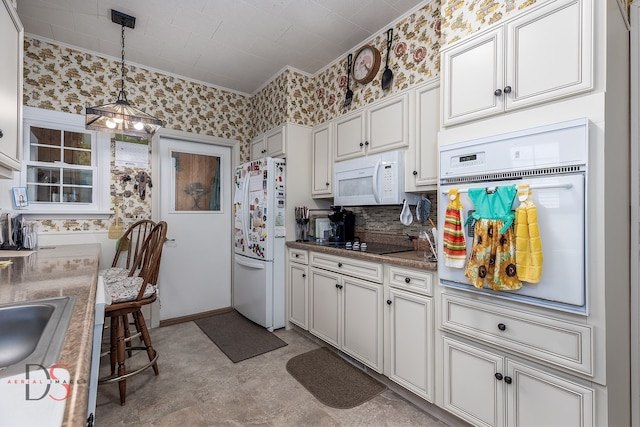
197	182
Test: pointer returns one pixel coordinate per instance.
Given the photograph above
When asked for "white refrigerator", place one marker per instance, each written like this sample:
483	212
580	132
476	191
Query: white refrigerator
259	242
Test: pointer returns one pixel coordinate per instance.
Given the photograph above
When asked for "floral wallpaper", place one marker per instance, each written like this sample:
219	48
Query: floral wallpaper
414	58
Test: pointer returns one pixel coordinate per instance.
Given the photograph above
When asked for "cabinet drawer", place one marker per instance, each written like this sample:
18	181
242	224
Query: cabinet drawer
561	343
298	255
414	280
351	267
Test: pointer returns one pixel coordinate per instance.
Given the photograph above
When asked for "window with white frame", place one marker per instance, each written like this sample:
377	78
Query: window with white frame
65	167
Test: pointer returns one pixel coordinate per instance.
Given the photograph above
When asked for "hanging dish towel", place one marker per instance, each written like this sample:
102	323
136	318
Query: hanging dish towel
492	259
454	243
528	244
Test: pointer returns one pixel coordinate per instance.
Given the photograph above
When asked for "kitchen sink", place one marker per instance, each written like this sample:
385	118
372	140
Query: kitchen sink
33	332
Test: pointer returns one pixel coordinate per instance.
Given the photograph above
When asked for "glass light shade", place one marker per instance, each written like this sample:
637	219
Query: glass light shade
121	117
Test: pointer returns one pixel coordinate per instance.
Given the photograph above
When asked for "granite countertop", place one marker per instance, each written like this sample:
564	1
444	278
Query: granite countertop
410	258
63	270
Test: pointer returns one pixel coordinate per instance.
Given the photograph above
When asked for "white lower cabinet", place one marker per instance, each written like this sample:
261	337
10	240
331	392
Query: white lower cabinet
487	388
298	288
411	341
347	312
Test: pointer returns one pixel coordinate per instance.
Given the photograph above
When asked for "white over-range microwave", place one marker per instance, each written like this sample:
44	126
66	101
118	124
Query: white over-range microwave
376	179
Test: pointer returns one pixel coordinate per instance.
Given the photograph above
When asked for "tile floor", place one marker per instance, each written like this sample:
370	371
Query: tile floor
199	386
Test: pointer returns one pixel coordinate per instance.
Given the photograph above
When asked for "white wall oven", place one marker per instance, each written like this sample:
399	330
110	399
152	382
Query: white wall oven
552	160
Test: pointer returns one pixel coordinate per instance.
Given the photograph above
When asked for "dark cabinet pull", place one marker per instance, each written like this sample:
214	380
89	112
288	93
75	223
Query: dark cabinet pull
366	143
407	279
389	301
498	376
339	264
502	326
297	255
507	89
508	380
1	133
327	184
361	144
337	285
304	275
415	173
498	92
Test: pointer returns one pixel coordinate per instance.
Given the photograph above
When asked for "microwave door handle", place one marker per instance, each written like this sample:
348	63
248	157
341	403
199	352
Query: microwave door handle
376	169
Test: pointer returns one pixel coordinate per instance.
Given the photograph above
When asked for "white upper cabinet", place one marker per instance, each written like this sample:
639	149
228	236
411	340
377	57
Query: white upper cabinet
269	144
322	166
539	56
11	34
421	172
382	126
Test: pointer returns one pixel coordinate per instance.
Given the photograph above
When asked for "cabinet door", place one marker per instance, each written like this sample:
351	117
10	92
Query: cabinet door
471	389
11	34
324	307
388	125
411	341
363	319
423	174
349	136
298	295
256	150
322	178
537	73
471	73
537	398
275	142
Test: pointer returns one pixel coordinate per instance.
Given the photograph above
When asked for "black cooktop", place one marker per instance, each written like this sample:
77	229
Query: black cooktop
372	248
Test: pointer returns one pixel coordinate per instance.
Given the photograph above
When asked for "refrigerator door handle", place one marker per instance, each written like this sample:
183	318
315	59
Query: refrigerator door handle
250	263
246	214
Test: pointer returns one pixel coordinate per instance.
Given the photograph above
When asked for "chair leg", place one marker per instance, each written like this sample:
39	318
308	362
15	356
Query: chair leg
113	342
142	328
127	334
120	344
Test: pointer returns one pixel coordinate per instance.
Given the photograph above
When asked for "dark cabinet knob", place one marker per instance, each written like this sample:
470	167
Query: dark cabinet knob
337	285
366	143
327	184
361	144
407	279
507	89
389	301
297	255
339	264
304	275
498	92
415	173
498	376
508	380
1	133
502	326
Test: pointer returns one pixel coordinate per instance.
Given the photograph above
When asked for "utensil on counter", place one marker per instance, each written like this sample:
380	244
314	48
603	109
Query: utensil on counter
387	76
423	210
406	217
348	97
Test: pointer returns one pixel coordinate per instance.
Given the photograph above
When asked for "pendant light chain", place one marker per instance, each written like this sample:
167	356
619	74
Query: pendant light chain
122	92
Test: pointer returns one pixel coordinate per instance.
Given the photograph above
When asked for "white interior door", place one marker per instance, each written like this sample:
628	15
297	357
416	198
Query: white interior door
195	201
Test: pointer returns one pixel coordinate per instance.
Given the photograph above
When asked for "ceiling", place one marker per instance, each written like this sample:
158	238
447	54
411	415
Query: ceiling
235	44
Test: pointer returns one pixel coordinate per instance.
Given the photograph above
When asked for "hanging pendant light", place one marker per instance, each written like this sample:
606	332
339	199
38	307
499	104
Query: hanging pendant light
121	116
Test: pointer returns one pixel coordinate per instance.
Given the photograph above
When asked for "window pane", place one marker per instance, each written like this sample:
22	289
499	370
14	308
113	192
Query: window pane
44	136
77	177
43	193
77	140
77	157
43	175
77	195
44	154
197	182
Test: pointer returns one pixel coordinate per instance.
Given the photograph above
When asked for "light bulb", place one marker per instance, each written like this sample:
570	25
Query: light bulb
110	124
138	125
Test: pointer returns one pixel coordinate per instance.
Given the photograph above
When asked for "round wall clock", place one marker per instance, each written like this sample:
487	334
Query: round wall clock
366	63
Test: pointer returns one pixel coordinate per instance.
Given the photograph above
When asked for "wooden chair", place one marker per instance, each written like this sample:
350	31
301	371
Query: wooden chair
131	292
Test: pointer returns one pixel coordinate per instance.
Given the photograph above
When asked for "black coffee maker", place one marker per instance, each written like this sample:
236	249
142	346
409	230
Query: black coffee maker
343	225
